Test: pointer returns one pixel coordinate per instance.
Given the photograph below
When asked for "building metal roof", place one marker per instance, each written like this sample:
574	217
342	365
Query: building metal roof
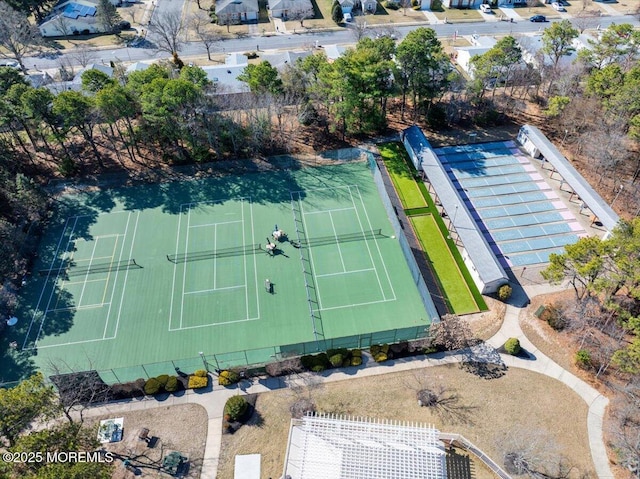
337	447
575	180
486	264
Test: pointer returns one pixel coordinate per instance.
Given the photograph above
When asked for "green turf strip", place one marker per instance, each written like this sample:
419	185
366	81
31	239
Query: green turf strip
394	156
453	283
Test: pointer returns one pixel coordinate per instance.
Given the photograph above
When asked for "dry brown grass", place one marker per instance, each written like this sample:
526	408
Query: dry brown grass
182	428
520	398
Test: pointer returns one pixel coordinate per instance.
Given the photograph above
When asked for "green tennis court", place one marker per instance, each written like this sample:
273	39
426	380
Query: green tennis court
145	275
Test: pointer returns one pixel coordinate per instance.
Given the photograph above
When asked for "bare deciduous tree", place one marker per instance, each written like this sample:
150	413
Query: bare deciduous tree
303	386
359	27
532	453
301	15
84	54
201	24
168	30
17	34
451	333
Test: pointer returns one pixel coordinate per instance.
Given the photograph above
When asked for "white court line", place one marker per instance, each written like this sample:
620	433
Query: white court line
216	324
184	273
79	308
86	276
215	224
356	304
74	342
44	286
375	241
71	283
335	235
175	269
313	266
214	289
315	212
255	264
35	344
345	272
115	279
126	276
218	201
244	264
215	259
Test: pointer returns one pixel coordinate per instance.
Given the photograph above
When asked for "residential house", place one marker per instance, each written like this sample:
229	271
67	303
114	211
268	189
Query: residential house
286	9
282	59
72	17
461	3
38	79
225	77
347	6
230	12
532	45
479	46
369	6
334	52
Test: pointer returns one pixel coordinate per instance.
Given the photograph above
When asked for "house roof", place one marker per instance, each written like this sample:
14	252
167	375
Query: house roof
484	260
138	66
347	3
337	447
334	51
226	7
74	10
225	77
290	5
582	188
93	66
280	60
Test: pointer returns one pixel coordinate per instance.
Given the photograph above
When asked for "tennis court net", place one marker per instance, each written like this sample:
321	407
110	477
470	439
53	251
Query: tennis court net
70	269
214	253
326	240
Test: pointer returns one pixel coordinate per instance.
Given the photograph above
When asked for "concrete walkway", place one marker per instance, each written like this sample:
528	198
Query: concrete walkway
214	400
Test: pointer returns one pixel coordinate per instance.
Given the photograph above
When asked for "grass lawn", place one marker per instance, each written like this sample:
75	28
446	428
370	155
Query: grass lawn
518	401
394	156
453	283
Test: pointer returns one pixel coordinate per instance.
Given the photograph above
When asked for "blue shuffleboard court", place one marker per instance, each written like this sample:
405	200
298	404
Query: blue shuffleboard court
521	216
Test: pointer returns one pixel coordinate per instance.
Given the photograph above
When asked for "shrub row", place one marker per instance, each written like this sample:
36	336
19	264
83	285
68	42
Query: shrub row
227	378
162	383
199	379
333	358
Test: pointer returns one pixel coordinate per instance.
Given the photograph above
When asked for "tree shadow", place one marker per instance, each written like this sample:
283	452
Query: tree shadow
483	361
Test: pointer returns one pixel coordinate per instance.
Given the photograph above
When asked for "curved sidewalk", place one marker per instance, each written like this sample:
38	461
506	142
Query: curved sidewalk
214	401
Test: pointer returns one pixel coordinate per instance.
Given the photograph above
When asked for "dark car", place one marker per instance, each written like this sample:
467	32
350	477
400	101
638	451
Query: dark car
538	18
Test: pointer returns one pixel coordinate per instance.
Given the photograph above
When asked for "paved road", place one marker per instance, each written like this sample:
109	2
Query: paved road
303	40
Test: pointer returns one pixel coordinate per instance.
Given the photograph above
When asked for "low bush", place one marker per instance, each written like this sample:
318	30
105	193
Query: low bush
512	346
162	379
583	359
318	368
380	357
391	6
227	378
172	384
152	386
317	363
201	373
336	360
356	353
356	361
504	292
198	382
235	408
554	317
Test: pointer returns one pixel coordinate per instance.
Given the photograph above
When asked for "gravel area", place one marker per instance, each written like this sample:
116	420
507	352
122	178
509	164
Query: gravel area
180	428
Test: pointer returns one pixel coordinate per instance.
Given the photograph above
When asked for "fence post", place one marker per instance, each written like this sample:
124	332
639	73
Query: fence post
145	371
114	375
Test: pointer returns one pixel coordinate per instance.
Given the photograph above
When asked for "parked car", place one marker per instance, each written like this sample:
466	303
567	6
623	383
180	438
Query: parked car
557	6
485	8
9	63
347	17
538	18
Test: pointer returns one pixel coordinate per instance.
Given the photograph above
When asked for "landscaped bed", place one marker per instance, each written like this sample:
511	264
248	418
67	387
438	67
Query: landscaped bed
394	156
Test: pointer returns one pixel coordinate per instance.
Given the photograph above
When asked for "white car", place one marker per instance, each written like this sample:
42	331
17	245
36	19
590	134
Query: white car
557	6
9	63
485	8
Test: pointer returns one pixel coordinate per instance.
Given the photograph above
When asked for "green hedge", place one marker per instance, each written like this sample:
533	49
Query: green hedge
235	408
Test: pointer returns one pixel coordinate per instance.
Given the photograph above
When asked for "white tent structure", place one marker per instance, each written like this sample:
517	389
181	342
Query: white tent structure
335	447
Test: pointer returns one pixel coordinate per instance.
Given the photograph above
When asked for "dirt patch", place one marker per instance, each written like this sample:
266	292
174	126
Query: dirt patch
486	324
528	400
180	428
